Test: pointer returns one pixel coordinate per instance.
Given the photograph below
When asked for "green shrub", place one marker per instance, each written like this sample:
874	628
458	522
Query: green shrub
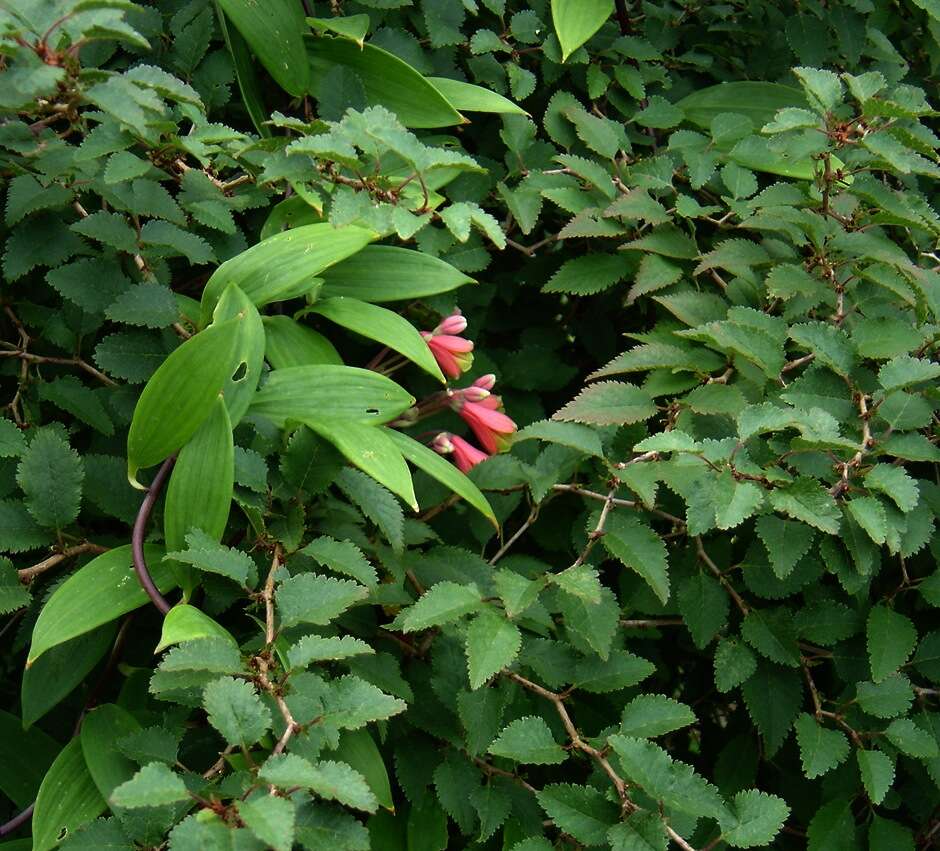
281	569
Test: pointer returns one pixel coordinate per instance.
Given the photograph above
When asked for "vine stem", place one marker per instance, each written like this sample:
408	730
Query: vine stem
140	530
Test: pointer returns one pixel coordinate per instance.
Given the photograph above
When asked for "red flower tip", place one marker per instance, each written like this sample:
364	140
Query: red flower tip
466	455
452	353
456	323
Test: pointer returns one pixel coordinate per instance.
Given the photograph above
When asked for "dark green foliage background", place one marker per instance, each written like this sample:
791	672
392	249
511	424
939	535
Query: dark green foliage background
709	618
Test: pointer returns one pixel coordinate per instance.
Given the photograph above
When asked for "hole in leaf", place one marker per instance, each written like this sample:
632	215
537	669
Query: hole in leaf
372	411
241	372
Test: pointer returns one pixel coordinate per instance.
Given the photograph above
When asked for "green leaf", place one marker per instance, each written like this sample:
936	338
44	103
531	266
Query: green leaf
199	494
51	473
829	344
903	371
27	755
309	598
153	786
383	326
236	711
147	303
352	703
869	513
823	88
335	781
274	31
386	79
217	655
284	266
73	397
373	450
589	274
770	632
442	470
877	772
289	343
13	595
342	557
67	798
315	648
357	748
204	553
704	606
641	831
734	501
808	501
99	592
575	22
376	503
891	640
640	549
894	483
467	97
832	828
887	699
773	696
821	749
270	819
12	441
528	740
907	737
786	542
887	835
58	671
757	100
493	642
651	715
734	664
442	603
673	783
328	392
388	273
180	395
756	818
580	811
608	403
239	389
186	623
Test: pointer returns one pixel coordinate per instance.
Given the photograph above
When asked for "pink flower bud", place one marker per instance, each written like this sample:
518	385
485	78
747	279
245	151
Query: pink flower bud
474	394
487	382
442	444
456	323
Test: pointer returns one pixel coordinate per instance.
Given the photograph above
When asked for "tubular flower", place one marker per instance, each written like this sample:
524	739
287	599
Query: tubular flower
452	352
480	410
466	455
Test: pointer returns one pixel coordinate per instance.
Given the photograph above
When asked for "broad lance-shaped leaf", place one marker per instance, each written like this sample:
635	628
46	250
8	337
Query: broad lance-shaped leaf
386	79
330	393
282	266
199	494
372	450
99	592
446	473
383	326
577	20
388	273
180	395
186	623
274	31
289	343
67	799
467	97
240	388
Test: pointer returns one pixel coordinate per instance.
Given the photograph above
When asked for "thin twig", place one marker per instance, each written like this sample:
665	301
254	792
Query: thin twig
28	574
706	558
533	516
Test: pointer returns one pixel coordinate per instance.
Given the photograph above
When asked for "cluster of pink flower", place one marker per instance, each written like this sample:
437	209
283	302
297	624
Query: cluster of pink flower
478	407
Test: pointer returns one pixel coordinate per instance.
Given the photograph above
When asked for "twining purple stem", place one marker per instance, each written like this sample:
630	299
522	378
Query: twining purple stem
17	821
140	529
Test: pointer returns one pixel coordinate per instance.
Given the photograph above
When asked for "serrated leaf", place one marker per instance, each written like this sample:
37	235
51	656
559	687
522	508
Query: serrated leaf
704	606
891	638
530	741
894	483
786	542
270	819
640	549
51	473
442	603
352	703
755	819
343	557
204	553
608	403
310	598
153	786
316	648
493	642
236	711
821	749
877	772
806	500
651	715
580	811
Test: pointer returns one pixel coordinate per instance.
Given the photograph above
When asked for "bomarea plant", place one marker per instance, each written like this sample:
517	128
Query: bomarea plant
281	570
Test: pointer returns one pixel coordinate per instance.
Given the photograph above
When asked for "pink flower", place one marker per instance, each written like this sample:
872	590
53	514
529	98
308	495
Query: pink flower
480	410
466	455
486	382
452	353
